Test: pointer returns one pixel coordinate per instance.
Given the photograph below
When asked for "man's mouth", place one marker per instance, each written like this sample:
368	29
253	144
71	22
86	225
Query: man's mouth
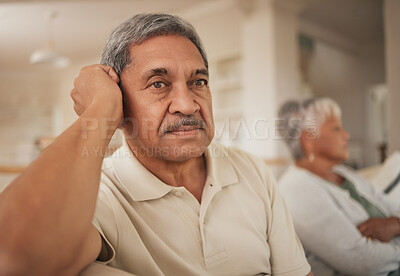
184	131
184	126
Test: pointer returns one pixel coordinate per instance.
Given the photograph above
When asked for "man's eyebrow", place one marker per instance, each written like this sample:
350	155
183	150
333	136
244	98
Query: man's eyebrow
201	71
154	72
161	71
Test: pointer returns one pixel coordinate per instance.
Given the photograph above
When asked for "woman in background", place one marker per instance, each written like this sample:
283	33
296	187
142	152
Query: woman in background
346	225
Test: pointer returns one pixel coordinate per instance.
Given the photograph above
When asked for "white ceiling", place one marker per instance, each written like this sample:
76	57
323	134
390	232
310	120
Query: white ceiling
82	27
358	20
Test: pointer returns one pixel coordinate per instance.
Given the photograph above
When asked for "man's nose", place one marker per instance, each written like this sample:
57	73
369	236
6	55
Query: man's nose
182	100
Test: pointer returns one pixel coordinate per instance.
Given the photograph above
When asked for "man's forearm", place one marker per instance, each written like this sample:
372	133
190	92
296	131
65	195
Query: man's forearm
46	213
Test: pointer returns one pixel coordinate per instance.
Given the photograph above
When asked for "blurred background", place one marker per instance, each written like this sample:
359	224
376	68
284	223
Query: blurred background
261	53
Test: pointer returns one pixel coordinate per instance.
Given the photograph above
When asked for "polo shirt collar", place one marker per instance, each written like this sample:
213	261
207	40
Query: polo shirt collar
219	168
142	185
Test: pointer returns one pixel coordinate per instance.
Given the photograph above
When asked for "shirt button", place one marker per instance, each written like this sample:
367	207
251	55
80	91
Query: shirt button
178	193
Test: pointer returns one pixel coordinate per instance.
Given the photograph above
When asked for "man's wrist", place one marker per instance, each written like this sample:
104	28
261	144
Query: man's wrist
100	120
105	111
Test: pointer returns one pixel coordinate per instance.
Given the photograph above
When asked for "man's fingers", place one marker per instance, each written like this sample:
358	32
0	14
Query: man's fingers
78	111
75	96
95	83
77	103
111	72
73	93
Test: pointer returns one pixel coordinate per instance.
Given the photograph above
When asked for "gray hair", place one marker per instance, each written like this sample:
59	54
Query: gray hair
141	27
307	115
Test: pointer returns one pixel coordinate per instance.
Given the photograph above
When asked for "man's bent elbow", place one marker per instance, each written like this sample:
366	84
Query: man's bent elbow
20	264
12	264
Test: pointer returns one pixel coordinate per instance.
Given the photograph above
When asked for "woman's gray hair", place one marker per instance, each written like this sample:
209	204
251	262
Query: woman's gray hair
141	27
307	115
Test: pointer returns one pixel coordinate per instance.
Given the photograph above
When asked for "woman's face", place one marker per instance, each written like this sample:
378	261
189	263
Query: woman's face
331	143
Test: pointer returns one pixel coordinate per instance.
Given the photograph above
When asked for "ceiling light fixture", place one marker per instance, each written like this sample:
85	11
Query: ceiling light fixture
48	56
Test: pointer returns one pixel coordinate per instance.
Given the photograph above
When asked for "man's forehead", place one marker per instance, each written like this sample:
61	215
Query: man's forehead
167	66
165	55
165	47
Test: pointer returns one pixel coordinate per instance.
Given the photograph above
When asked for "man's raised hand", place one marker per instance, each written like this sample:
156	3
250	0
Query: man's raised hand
97	86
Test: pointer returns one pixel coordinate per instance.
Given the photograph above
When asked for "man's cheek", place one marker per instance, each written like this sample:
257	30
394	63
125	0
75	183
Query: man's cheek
148	127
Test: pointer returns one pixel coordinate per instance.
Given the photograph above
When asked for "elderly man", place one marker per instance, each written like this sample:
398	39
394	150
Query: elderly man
168	203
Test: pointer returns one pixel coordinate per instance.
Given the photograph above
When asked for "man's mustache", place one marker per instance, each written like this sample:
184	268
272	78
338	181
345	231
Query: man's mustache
183	121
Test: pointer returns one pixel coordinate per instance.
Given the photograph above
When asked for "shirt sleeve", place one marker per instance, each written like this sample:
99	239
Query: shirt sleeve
96	269
287	254
328	233
104	221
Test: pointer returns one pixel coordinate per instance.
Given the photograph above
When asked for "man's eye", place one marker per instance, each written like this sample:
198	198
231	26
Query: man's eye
158	84
200	83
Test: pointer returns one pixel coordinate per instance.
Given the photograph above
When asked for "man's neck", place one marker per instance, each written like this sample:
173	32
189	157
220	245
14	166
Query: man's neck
190	174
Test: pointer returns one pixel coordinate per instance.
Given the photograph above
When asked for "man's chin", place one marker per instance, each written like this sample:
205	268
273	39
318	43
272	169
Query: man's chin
178	150
182	153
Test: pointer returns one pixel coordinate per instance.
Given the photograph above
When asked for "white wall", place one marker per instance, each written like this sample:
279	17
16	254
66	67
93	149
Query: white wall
392	42
346	74
31	107
65	114
25	114
336	73
372	74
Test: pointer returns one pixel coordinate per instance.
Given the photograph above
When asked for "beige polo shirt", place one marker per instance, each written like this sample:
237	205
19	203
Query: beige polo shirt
241	227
